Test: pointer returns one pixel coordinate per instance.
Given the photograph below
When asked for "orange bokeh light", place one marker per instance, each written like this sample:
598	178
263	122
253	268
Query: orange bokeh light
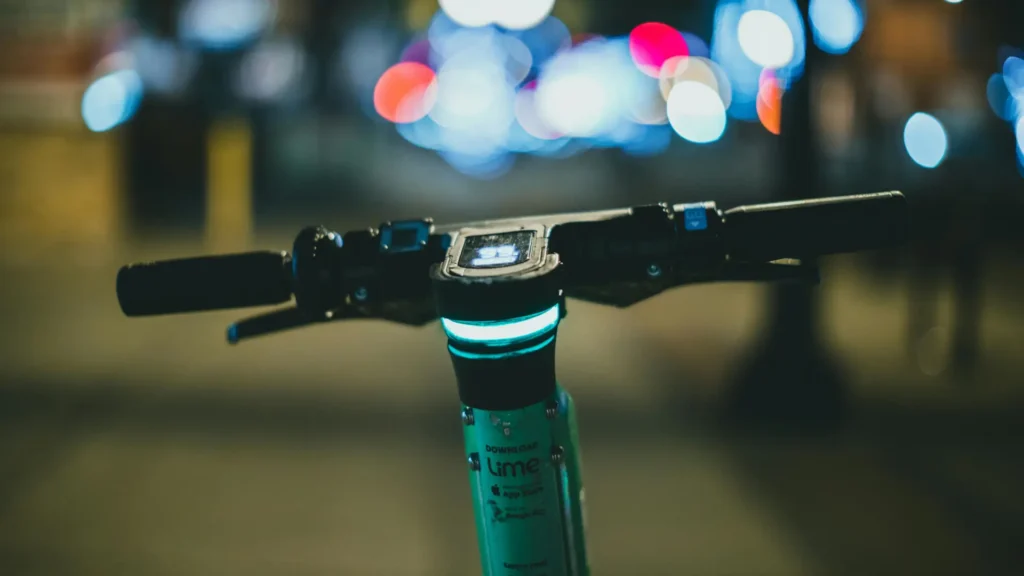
405	92
769	104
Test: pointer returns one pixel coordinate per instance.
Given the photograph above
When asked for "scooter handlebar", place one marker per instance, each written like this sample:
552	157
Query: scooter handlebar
812	228
205	283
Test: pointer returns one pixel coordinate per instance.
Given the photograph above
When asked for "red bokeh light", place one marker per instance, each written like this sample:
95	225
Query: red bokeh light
405	92
769	103
652	43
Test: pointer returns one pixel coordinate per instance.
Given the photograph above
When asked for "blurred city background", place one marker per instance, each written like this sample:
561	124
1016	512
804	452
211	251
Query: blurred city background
872	425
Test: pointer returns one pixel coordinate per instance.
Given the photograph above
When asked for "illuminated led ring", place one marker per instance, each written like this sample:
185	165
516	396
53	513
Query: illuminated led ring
503	332
500	355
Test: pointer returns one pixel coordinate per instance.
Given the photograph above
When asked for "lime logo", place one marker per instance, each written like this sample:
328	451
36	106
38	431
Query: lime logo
513	469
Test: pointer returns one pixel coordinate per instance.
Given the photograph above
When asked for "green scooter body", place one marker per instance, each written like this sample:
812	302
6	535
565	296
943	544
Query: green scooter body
527	489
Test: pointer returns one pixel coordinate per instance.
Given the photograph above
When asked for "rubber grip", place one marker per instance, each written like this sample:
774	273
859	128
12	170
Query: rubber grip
206	283
817	227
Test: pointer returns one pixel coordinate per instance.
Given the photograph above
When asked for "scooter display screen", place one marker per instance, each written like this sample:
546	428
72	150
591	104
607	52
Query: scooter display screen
496	250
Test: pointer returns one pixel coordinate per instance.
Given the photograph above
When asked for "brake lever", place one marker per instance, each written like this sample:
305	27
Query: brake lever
279	321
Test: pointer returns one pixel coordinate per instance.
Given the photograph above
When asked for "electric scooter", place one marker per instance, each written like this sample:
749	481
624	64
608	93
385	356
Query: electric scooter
500	288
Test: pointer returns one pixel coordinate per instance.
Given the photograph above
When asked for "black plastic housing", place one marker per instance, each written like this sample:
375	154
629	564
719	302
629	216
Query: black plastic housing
206	283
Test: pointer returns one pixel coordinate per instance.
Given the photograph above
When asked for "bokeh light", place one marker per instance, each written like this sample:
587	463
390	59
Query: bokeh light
405	92
545	39
528	117
696	112
417	51
521	141
696	45
473	87
1019	131
769	104
468	13
1013	75
510	14
743	73
652	43
836	24
225	24
481	166
651	141
517	56
574	102
163	66
1003	104
273	70
111	100
424	133
647	105
925	140
766	38
580	92
696	69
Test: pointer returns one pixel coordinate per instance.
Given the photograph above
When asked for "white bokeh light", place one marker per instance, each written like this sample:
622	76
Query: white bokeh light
574	103
696	112
579	93
468	13
510	14
766	38
925	140
528	116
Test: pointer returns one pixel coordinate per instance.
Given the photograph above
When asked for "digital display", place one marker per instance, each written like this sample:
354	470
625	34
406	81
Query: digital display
496	250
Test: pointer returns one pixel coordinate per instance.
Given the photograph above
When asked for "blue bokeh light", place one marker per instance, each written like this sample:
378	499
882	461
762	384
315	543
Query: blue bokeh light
480	166
545	39
696	45
424	133
219	25
1013	75
1019	132
925	140
111	100
653	140
1003	104
836	24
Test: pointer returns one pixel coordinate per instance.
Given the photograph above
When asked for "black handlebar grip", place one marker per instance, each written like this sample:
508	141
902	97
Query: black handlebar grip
816	227
207	283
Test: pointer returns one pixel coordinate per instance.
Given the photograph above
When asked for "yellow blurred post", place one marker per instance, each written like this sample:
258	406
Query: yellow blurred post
229	185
